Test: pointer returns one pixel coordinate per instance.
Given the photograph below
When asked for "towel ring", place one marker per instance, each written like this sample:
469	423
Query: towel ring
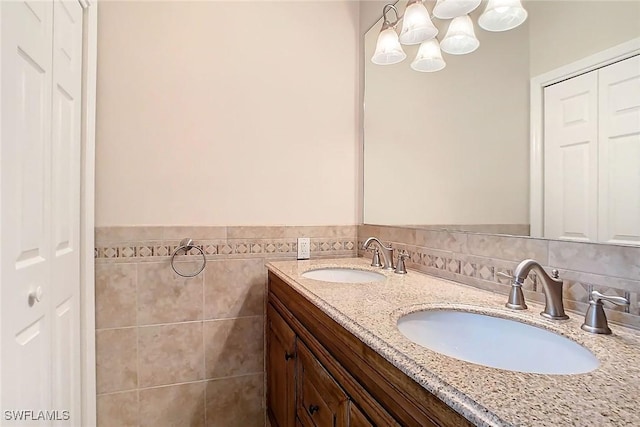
186	245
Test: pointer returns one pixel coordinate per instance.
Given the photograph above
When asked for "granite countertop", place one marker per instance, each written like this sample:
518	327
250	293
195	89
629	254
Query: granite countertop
607	396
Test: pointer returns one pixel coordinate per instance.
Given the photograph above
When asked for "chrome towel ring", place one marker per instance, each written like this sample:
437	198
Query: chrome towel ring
186	245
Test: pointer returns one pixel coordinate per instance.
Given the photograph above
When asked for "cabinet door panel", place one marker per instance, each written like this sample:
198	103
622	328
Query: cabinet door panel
314	406
281	342
320	400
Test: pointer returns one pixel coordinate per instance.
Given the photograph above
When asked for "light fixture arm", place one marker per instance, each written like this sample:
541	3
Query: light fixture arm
388	24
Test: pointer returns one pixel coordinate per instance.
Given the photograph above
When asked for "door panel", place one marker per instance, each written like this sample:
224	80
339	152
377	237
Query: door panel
66	384
26	136
65	218
619	175
29	364
31	131
571	159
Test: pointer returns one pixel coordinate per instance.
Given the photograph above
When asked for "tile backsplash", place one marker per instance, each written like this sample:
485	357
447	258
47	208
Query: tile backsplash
476	259
189	351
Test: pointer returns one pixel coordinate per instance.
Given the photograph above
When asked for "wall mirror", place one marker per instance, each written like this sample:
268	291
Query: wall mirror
451	149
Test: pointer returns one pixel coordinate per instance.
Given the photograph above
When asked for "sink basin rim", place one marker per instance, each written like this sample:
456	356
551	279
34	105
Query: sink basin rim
583	355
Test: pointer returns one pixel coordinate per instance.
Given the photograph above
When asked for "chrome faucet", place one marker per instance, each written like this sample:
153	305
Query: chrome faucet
385	251
552	286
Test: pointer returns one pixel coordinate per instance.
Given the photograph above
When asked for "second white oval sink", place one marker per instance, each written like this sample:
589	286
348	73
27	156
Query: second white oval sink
497	342
344	275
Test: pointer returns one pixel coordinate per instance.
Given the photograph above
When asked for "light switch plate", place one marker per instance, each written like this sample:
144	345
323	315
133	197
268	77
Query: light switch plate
304	248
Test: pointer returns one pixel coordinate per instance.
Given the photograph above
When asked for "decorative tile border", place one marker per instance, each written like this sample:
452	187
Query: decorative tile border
163	249
120	243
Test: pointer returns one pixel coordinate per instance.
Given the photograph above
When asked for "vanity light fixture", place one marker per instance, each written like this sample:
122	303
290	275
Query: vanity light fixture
460	39
416	24
502	15
388	49
449	9
429	57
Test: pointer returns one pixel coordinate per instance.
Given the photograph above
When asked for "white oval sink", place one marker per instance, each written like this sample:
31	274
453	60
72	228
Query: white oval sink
344	275
496	342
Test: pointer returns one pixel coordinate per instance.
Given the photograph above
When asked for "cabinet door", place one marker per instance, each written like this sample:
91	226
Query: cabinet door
619	153
281	356
320	400
357	418
571	159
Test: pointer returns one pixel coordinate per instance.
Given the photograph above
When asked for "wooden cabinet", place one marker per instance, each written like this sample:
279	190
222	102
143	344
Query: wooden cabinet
320	375
281	354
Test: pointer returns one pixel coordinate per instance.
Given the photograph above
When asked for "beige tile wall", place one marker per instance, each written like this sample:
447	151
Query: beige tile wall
476	259
174	351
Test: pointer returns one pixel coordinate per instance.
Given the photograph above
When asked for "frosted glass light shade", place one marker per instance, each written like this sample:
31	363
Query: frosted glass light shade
388	49
447	9
502	15
416	25
460	38
429	57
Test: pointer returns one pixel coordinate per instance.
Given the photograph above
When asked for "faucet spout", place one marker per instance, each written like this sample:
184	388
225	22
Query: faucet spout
385	251
552	287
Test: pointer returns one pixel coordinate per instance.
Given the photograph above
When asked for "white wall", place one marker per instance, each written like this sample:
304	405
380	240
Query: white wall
450	147
566	31
227	113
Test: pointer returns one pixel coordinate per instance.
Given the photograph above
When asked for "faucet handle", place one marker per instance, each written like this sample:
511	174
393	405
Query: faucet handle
400	267
595	321
597	297
516	297
375	260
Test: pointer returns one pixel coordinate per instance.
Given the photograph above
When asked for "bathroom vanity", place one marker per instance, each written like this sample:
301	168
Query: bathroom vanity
335	357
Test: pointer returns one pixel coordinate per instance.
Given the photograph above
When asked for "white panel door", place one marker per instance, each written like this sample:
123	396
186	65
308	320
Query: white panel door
619	147
571	159
65	203
40	193
26	199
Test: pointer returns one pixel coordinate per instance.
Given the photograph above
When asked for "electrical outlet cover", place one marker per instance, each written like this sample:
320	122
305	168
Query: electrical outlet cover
304	248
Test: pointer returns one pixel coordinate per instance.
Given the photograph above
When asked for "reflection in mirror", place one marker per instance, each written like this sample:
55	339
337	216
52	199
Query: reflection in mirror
451	149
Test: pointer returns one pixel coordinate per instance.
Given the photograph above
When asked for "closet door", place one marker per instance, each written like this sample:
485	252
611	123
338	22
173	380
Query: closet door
619	153
40	169
571	159
26	205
